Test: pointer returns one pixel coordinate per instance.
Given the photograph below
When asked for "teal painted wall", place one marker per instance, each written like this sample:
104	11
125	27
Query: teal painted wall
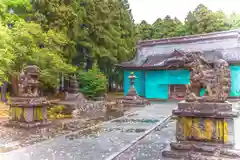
157	82
178	77
202	92
235	81
139	82
154	84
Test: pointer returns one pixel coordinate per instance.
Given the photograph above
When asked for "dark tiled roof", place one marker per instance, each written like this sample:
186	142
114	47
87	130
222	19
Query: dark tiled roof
192	38
156	53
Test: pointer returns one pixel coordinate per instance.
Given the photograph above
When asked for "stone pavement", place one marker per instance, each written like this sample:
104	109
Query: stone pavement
151	146
100	142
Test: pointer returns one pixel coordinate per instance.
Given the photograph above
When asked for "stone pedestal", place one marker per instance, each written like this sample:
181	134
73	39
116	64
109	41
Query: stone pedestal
203	127
28	112
209	122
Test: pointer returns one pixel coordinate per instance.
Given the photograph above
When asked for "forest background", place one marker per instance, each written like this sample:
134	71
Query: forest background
86	38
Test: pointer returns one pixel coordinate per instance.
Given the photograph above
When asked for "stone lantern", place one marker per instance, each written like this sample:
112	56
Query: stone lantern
132	99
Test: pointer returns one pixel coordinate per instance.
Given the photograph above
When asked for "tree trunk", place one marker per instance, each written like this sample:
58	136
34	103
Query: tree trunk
14	83
4	92
110	83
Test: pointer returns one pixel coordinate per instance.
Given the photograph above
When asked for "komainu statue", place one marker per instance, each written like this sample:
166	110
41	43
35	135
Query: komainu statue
214	78
28	82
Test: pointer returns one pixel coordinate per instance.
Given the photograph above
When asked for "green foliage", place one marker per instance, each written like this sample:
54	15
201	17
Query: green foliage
27	38
92	83
61	34
59	16
105	33
30	44
56	112
144	31
234	20
7	56
201	20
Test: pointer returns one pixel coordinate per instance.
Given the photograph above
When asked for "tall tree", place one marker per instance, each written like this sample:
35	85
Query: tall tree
7	56
144	31
167	27
32	45
203	20
108	36
180	29
157	31
234	20
57	15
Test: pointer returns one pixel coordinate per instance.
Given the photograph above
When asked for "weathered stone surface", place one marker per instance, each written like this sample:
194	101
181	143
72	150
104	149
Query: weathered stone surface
205	109
204	106
74	87
200	151
28	109
205	119
132	99
214	79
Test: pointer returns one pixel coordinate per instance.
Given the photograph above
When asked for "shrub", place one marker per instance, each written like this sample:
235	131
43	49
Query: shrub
56	112
92	83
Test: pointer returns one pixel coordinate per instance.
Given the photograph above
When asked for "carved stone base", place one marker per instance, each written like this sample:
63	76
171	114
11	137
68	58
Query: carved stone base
133	101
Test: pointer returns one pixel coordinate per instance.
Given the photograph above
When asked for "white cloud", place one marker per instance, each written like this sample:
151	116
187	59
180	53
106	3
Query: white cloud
150	10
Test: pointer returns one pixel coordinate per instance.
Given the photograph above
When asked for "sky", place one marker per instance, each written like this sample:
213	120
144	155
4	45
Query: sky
150	10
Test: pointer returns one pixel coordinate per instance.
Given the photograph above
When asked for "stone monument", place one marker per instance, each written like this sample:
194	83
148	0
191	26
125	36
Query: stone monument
204	129
28	109
73	87
73	97
132	99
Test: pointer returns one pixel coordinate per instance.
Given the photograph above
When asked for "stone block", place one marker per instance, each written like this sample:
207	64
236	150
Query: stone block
205	130
205	109
205	106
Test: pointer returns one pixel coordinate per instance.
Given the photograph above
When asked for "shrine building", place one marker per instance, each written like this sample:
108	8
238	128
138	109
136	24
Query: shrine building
155	80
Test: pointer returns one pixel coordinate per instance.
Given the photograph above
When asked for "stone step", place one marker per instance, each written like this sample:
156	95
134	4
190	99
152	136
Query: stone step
191	150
